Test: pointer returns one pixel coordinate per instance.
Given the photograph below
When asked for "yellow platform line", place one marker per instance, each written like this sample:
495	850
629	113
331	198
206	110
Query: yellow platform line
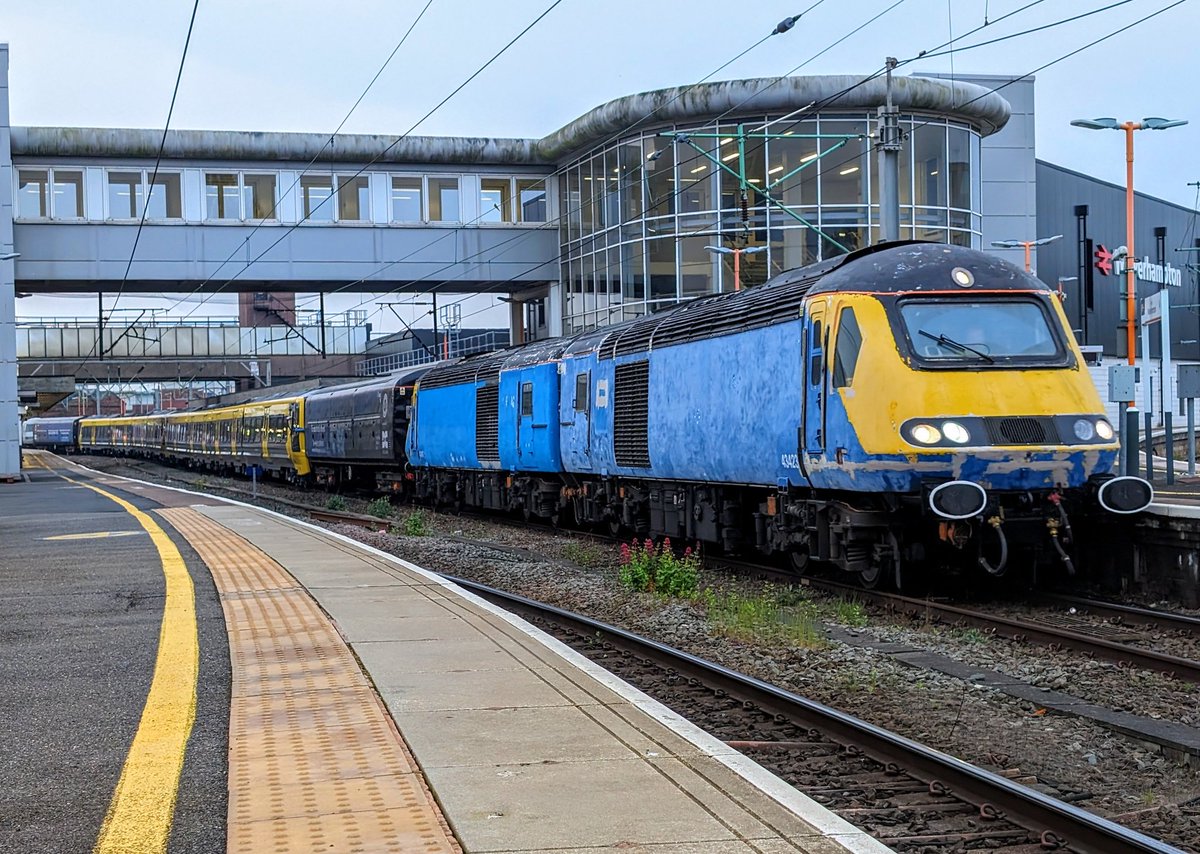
139	816
315	762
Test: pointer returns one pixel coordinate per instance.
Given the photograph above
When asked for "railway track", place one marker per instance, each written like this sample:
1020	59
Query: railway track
1057	636
1130	614
913	797
1033	631
1060	636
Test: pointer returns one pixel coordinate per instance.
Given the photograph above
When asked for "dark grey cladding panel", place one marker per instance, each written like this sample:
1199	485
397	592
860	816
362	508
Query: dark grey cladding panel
1059	191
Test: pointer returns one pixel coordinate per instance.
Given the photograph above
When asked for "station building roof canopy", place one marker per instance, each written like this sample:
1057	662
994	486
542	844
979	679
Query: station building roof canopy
981	107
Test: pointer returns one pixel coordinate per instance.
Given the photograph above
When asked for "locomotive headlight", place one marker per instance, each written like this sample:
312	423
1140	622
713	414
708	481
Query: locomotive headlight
1104	430
926	434
1084	430
955	432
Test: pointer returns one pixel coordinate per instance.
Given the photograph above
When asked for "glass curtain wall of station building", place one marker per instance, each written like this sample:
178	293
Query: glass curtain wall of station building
636	218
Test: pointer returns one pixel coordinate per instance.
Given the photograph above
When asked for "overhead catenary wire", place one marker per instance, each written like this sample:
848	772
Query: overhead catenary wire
811	108
275	204
291	228
153	178
1010	81
815	107
783	26
1072	53
622	132
1007	83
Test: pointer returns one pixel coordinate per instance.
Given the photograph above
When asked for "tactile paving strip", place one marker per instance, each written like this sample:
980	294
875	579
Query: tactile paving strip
315	762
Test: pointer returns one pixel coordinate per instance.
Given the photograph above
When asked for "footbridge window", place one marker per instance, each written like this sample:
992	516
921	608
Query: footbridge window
239	196
127	194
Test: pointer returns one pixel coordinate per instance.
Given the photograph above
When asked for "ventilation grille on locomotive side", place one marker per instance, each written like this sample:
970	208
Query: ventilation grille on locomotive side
487	419
631	397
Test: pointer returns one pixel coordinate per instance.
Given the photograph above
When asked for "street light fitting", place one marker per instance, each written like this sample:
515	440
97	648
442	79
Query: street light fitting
1018	244
1027	245
1148	123
724	250
8	256
1097	124
1158	123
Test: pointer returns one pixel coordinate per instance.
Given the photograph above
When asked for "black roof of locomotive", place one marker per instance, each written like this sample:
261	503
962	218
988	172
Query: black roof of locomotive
911	266
900	267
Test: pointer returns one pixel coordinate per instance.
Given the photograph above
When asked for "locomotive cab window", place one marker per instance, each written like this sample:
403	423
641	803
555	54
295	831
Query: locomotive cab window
980	333
845	351
582	391
526	400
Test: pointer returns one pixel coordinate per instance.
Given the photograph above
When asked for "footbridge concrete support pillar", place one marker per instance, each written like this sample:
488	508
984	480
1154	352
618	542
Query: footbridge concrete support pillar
10	427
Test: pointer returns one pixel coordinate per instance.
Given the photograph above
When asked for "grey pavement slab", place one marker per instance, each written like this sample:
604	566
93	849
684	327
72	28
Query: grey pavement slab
525	751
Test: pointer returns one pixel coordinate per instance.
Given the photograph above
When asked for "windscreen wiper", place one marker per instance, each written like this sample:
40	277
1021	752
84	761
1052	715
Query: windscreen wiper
957	345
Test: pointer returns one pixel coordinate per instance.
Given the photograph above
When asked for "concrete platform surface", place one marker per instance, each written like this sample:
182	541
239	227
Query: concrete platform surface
369	705
526	745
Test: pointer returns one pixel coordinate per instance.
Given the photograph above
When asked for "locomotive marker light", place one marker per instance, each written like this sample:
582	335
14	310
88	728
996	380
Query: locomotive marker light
1125	495
958	499
1028	246
1151	123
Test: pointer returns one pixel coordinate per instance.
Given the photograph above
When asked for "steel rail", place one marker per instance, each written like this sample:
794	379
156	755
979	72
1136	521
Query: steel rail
1058	824
1130	614
1122	654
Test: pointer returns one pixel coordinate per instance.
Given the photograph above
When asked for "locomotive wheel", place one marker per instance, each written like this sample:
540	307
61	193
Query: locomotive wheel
883	571
799	559
615	527
870	578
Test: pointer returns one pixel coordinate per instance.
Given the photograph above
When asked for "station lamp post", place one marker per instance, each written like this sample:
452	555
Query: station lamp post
1152	123
737	260
1027	245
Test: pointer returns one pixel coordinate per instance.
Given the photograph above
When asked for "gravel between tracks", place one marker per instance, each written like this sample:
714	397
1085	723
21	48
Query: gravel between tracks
1095	767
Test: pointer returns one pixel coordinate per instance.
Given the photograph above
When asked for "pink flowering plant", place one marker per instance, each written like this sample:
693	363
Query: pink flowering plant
659	570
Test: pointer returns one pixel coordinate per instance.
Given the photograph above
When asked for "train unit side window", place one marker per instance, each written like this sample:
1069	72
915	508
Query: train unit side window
582	387
526	400
276	430
845	351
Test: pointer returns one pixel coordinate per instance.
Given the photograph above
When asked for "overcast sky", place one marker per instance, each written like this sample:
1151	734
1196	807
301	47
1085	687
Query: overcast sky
299	65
